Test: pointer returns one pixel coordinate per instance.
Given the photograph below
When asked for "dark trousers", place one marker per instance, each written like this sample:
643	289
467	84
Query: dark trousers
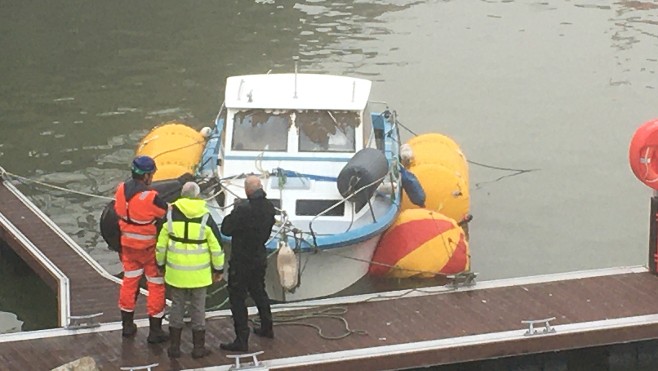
248	279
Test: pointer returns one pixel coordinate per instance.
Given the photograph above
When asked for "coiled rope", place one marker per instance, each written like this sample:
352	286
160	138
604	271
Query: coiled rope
296	319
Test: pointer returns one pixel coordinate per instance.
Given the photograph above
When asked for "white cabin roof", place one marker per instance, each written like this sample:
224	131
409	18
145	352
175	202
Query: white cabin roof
297	91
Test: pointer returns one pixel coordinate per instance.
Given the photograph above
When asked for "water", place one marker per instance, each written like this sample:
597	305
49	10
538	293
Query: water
554	87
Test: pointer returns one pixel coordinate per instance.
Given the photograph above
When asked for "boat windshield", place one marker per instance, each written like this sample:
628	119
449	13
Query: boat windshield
327	131
261	130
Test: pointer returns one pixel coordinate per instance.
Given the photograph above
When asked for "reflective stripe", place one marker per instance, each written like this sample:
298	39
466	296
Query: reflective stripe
126	309
134	221
143	195
132	274
170	224
137	236
159	315
202	230
156	280
187	252
218	253
170	229
188	267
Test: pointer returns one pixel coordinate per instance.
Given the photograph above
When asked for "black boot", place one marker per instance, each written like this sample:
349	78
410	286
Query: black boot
199	341
240	344
156	334
129	327
174	346
265	329
264	332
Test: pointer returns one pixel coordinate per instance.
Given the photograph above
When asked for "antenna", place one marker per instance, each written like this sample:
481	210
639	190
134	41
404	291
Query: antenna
295	58
240	88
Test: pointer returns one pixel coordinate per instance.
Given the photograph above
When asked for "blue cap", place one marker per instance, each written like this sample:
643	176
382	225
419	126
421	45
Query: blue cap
143	165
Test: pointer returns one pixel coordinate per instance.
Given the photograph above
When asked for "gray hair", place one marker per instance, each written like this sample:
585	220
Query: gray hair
190	190
252	184
406	155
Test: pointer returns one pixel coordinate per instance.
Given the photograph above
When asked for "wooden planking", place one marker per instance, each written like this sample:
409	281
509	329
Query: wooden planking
398	322
90	292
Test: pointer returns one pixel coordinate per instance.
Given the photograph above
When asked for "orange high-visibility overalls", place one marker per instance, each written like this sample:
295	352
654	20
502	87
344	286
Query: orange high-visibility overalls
137	217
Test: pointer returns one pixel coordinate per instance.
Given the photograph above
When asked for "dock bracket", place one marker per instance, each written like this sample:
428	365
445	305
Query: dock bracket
463	279
533	331
135	368
254	365
87	321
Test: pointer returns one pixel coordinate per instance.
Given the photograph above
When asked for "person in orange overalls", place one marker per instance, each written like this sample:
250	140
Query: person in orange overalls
139	207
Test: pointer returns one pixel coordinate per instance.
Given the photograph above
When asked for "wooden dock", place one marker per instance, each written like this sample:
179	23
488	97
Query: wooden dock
396	330
83	287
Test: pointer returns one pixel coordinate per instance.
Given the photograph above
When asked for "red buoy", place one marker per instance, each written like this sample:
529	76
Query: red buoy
643	153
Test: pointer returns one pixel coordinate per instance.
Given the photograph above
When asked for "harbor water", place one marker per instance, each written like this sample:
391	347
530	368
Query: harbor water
542	97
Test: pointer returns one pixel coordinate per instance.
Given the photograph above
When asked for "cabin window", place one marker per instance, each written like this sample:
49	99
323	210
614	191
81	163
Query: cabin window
315	207
261	130
327	131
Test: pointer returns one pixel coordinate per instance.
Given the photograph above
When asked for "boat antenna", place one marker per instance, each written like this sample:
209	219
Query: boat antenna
295	58
240	88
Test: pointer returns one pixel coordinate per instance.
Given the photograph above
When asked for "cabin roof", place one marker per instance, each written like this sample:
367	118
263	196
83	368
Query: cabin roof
297	91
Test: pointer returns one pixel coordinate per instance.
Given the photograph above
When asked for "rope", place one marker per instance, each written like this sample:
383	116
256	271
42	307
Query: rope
25	180
517	171
178	148
383	264
336	313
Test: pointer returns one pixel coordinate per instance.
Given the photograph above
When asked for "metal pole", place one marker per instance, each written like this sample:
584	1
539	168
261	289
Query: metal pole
653	235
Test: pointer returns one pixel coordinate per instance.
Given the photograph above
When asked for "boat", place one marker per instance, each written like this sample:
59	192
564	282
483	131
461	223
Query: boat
328	158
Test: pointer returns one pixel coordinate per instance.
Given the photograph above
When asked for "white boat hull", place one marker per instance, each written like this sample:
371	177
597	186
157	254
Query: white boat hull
323	273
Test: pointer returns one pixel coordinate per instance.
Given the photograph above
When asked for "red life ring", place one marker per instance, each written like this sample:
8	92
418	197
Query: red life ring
643	153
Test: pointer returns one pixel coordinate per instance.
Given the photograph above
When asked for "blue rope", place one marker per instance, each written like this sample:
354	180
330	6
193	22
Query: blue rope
293	174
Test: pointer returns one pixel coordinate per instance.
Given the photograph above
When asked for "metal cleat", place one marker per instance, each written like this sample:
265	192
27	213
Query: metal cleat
531	327
135	368
88	321
463	279
254	365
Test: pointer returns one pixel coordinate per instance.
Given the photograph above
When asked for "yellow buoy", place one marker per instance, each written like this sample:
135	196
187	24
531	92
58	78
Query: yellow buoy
175	147
435	148
445	191
442	170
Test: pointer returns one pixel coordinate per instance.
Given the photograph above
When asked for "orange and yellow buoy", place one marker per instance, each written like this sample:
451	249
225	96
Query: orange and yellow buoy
175	147
421	243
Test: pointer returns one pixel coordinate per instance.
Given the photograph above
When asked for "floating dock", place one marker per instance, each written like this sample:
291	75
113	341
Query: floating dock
447	325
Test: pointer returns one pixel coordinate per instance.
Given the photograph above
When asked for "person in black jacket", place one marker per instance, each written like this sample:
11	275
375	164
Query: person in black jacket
250	225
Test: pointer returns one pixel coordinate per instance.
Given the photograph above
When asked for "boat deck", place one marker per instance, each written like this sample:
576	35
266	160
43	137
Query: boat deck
395	330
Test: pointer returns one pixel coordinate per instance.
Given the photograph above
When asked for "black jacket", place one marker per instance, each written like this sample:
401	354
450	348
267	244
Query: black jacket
250	225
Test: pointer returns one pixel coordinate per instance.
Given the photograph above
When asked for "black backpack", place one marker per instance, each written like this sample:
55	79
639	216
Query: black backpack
110	227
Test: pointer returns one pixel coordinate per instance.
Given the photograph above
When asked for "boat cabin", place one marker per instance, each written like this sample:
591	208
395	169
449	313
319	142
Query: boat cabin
302	129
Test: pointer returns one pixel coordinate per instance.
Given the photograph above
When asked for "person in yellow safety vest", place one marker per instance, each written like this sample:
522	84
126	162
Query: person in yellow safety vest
189	252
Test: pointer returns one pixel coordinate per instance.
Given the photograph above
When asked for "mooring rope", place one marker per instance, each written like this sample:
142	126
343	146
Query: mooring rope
516	171
25	180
